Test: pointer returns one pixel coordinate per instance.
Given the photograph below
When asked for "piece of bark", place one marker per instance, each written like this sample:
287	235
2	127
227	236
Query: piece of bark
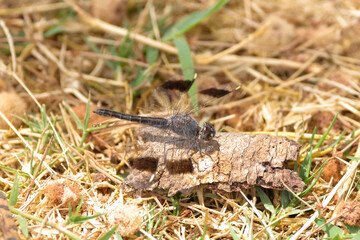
237	160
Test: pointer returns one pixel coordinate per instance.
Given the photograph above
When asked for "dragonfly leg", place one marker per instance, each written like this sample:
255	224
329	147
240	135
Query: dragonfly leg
200	151
191	158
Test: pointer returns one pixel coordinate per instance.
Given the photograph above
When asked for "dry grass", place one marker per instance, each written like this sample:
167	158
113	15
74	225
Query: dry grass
298	64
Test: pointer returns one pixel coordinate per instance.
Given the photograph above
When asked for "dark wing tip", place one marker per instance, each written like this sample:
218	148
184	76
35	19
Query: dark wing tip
214	92
180	85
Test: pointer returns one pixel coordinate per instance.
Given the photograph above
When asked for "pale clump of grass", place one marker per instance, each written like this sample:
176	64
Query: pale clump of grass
11	105
62	193
128	217
297	64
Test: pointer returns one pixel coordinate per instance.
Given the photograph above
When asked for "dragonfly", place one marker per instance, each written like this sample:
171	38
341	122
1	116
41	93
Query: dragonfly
181	124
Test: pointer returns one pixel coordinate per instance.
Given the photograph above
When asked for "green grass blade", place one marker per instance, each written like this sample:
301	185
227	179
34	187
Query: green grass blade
308	189
125	48
191	21
47	223
285	198
317	172
150	218
152	55
322	139
144	74
353	158
15	191
312	136
78	208
337	141
23	226
44	122
332	230
54	30
78	122
90	129
86	122
352	135
118	236
352	229
185	57
159	219
32	164
175	202
140	78
81	219
187	66
12	170
204	234
306	166
107	235
87	113
33	126
303	131
265	200
233	233
356	237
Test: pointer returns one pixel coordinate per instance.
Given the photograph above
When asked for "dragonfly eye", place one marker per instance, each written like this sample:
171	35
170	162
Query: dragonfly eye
207	131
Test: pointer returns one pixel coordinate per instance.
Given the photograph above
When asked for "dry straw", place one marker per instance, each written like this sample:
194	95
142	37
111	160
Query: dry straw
298	66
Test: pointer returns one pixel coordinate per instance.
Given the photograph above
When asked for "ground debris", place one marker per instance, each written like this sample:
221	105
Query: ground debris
7	223
237	160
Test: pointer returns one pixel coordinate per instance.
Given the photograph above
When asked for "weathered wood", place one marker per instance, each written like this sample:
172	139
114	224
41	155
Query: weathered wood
237	160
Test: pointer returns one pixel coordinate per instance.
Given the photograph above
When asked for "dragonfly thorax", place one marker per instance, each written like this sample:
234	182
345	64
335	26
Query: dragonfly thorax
184	125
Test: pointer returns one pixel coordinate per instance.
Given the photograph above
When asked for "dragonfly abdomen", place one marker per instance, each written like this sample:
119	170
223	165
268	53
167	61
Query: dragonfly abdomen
151	121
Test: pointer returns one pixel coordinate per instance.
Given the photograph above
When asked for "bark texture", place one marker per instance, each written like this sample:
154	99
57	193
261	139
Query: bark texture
230	161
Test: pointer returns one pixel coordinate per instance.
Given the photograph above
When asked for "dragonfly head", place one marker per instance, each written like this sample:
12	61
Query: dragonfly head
207	132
